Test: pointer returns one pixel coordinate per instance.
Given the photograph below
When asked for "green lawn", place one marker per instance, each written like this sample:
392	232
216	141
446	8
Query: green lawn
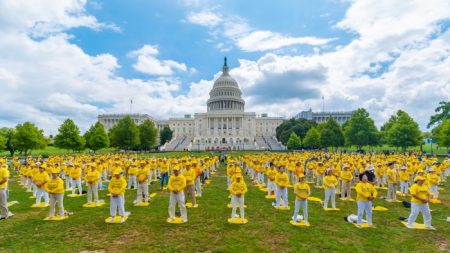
268	230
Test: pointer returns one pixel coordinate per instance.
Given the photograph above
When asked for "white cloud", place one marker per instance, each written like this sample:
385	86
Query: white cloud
204	18
148	63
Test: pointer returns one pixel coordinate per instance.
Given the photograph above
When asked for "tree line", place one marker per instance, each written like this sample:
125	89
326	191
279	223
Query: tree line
399	131
126	134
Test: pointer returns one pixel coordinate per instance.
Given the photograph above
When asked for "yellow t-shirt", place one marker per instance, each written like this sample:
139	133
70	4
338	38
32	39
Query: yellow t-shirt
4	173
420	191
301	190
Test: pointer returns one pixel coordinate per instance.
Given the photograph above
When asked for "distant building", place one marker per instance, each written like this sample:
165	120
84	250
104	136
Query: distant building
110	120
319	117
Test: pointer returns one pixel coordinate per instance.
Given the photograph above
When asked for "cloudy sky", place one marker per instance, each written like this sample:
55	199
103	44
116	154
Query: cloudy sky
78	58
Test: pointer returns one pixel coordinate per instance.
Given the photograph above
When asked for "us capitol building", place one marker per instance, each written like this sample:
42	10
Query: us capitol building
224	126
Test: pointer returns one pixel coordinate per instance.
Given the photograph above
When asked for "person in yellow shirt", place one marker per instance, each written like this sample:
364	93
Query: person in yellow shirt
75	176
392	180
116	188
132	171
380	173
302	192
404	180
420	197
92	177
40	179
433	181
55	189
320	170
238	189
164	173
365	194
347	178
190	175
4	178
271	173
281	181
176	185
143	176
329	184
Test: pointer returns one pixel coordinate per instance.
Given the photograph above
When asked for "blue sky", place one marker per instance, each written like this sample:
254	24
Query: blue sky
81	58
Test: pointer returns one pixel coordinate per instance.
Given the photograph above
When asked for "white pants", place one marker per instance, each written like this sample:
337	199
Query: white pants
404	187
319	181
235	202
198	187
132	182
435	191
77	183
68	181
153	175
392	192
56	198
4	202
271	187
261	178
364	206
228	182
330	192
207	173
117	203
281	193
346	189
142	191
177	198
298	204
92	190
41	193
416	209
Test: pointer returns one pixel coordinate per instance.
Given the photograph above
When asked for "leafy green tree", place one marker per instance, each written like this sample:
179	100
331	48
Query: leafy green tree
404	132
68	136
165	135
444	134
360	129
3	141
125	134
294	142
97	138
312	139
383	135
148	135
298	126
331	134
27	136
8	133
443	113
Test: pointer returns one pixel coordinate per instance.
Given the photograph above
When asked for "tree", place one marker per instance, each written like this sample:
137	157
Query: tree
3	141
8	133
443	113
97	137
68	136
331	134
294	142
125	134
360	129
312	139
298	126
165	135
444	134
383	135
148	134
404	132
27	136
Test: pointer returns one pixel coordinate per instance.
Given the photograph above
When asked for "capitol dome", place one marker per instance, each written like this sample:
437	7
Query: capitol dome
225	94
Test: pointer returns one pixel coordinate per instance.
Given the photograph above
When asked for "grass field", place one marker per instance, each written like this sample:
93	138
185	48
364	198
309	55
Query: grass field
268	230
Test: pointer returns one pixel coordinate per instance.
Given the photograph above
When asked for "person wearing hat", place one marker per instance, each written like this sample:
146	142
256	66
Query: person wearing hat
281	181
55	189
404	180
40	179
190	176
92	177
347	178
176	185
143	177
4	178
329	184
420	197
75	175
369	172
433	181
392	180
238	189
132	171
365	194
116	188
302	192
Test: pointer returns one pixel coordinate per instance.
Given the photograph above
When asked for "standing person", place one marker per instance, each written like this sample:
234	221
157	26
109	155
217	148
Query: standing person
271	174
55	189
404	180
116	188
320	170
132	171
176	185
190	176
75	175
143	175
420	197
40	179
433	181
329	184
238	189
198	186
347	178
392	180
302	192
92	177
365	194
4	178
164	171
281	181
